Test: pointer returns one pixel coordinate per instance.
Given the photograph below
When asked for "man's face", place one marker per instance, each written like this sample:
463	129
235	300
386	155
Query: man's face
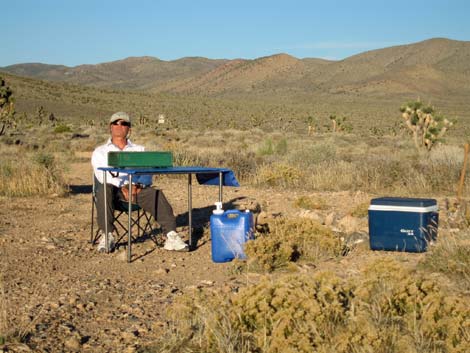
120	128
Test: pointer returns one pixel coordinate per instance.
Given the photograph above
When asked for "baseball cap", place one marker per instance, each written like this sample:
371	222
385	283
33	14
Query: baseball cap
120	116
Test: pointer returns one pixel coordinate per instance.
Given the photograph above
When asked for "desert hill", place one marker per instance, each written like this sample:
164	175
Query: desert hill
129	73
436	67
273	92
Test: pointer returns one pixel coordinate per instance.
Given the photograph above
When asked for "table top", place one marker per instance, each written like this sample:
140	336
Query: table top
165	170
204	175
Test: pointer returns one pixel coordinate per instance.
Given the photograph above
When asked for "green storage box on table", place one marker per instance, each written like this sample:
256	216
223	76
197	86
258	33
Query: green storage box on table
140	159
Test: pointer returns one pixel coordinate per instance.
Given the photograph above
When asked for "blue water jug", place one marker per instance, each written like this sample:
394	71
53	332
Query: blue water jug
229	232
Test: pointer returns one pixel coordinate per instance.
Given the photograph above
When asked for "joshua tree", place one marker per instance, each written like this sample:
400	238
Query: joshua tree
40	115
338	124
7	107
427	127
311	125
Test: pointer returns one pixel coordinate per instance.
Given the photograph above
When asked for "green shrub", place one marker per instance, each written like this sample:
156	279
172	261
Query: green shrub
294	313
405	311
309	155
451	256
291	240
387	308
267	148
60	129
281	147
279	175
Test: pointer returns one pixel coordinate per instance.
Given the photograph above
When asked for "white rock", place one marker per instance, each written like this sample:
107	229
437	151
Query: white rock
349	224
330	219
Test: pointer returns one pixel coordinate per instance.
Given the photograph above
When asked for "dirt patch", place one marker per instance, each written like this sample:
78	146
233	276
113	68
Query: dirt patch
62	295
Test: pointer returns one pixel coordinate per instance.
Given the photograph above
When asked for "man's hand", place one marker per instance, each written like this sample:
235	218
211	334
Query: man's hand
135	190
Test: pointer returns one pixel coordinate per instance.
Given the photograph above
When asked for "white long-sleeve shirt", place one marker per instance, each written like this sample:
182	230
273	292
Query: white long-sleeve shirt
99	159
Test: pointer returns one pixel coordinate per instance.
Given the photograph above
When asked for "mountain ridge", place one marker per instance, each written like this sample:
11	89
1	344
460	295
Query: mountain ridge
436	66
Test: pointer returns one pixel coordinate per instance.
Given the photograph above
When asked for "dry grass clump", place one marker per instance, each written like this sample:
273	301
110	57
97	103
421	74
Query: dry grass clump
451	256
25	173
291	240
242	163
304	153
361	210
324	162
280	175
309	203
3	305
403	311
292	314
385	170
295	313
387	308
270	147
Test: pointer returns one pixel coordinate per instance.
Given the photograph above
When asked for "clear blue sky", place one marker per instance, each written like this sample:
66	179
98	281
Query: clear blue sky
74	32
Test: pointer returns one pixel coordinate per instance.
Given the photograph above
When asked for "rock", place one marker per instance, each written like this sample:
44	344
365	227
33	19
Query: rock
161	271
349	224
206	282
54	305
310	215
80	306
122	256
130	349
355	240
126	308
157	325
73	343
15	347
128	336
330	219
264	219
247	203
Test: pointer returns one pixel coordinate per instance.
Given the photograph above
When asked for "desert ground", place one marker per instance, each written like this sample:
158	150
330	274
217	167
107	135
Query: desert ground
61	295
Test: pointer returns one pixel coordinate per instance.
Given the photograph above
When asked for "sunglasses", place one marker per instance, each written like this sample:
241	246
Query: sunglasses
121	122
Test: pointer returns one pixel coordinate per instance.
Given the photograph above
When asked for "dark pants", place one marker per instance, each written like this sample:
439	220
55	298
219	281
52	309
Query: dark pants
149	199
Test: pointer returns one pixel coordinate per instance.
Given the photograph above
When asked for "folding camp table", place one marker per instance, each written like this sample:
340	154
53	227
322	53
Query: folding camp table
204	175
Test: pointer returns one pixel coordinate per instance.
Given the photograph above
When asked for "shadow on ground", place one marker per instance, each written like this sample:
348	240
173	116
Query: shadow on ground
80	189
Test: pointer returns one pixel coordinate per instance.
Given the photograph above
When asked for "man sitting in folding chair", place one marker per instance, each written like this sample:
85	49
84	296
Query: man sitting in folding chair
148	198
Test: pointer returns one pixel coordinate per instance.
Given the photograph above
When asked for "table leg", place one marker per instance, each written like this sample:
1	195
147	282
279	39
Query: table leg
106	247
221	183
190	211
129	227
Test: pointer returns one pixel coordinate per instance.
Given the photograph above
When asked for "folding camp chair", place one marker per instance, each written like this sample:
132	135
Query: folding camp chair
141	221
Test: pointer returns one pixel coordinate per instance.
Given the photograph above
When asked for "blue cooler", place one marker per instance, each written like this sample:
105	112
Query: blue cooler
229	232
402	224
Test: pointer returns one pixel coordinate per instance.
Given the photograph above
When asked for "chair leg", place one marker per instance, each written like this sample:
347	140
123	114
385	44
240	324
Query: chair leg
141	221
94	234
92	219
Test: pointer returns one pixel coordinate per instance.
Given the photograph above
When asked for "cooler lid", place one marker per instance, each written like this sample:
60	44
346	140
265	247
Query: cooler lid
403	204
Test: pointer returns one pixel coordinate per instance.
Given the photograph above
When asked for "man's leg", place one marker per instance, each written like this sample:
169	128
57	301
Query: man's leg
110	194
154	201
